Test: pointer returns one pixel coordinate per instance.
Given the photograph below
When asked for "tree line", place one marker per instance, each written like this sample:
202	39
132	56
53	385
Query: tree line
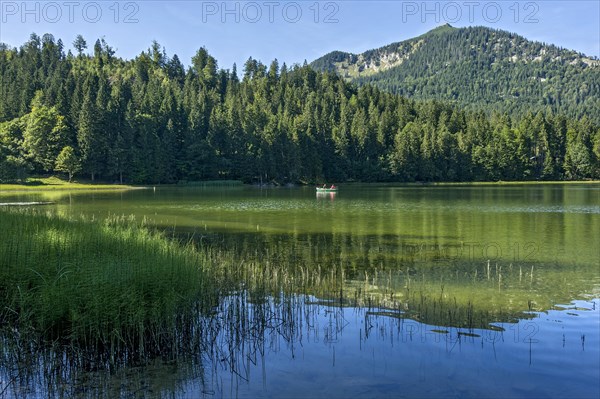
152	120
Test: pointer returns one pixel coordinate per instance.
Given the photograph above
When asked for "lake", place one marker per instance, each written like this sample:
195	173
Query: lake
373	291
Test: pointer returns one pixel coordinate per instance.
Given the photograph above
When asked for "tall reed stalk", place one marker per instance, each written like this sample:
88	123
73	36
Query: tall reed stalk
111	291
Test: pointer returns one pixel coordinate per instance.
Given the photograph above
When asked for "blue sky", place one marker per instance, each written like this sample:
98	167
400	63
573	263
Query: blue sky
290	31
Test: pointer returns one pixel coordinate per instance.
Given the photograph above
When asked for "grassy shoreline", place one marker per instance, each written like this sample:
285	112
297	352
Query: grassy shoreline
54	183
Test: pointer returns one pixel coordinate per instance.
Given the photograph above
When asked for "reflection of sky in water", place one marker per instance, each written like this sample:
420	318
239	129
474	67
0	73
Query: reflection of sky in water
298	346
348	352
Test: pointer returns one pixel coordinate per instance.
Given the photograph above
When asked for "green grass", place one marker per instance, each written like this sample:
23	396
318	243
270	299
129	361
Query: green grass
112	291
56	183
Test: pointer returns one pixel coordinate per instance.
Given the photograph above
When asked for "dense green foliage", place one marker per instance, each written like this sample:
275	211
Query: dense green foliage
478	68
67	162
149	120
109	288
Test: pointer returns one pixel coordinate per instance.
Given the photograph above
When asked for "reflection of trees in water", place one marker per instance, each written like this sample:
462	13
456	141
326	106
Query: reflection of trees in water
385	268
273	292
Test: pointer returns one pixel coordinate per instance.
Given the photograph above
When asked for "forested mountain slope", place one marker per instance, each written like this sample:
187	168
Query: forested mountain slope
152	120
478	68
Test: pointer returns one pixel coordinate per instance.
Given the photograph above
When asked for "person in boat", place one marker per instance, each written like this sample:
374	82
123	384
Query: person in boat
333	187
324	185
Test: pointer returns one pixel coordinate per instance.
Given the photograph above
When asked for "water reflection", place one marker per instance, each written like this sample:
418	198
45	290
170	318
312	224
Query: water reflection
326	195
461	291
334	351
257	346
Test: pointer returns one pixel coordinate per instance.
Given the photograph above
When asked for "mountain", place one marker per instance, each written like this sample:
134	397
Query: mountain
478	68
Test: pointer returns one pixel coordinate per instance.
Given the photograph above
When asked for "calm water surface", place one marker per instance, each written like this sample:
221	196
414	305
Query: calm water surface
457	291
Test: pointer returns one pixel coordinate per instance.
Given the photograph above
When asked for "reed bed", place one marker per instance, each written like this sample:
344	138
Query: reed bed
53	183
472	294
108	292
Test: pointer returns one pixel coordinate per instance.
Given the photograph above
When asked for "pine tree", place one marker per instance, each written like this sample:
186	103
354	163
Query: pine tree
89	134
80	45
